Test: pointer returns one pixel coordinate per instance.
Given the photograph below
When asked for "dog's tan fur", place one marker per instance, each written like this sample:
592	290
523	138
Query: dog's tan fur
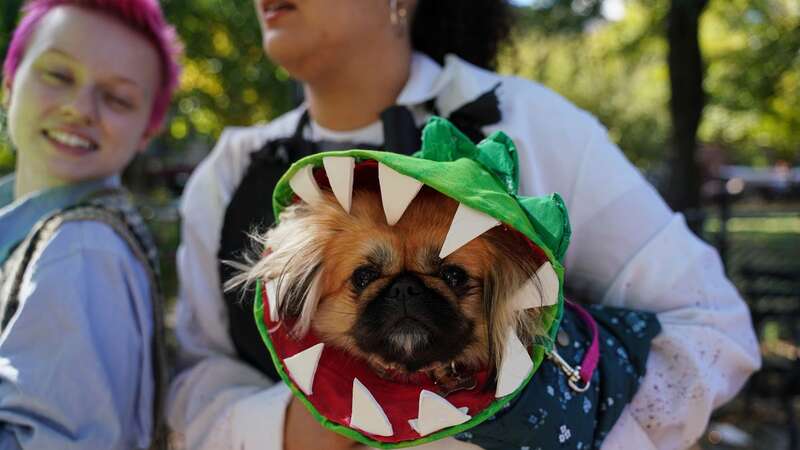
321	239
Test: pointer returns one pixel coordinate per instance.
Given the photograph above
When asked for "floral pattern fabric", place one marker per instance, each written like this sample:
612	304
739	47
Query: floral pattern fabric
549	414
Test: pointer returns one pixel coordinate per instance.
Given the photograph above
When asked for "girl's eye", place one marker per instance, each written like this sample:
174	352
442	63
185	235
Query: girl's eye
118	102
454	276
363	276
58	77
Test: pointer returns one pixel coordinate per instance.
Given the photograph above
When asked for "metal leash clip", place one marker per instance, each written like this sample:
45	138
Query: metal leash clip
573	374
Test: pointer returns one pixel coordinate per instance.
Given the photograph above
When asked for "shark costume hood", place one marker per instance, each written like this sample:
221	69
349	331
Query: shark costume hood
344	394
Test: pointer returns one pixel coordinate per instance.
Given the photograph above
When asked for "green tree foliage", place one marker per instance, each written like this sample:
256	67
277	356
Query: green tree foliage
227	81
8	18
559	16
8	14
618	71
753	78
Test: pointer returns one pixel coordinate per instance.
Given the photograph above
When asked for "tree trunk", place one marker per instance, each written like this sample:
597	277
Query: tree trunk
686	106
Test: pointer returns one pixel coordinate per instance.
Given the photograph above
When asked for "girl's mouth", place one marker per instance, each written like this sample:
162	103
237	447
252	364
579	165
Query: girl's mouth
70	142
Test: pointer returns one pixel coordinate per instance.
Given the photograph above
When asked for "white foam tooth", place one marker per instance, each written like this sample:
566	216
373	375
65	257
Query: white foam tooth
436	413
467	225
305	186
539	291
272	299
340	174
303	367
366	414
397	192
515	366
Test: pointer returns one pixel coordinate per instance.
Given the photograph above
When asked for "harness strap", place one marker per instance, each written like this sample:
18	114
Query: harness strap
585	370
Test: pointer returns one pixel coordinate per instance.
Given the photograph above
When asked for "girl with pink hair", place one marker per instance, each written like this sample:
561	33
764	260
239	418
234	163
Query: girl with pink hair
87	84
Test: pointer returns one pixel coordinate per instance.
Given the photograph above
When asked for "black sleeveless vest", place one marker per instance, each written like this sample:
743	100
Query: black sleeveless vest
250	207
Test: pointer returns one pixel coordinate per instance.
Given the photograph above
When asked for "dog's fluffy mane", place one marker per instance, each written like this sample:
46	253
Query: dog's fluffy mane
293	260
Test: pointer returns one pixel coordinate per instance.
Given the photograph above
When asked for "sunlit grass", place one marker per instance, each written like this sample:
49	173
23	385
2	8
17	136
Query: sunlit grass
789	223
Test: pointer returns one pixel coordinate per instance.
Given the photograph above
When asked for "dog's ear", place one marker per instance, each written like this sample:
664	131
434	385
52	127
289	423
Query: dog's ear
298	288
514	265
289	255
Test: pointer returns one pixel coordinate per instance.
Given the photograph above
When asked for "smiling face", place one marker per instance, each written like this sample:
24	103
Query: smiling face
308	37
81	98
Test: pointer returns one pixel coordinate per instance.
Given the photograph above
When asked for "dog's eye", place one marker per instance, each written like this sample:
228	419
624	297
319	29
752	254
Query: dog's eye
363	276
454	276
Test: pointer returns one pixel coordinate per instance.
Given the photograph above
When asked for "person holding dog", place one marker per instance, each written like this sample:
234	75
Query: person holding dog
373	73
86	85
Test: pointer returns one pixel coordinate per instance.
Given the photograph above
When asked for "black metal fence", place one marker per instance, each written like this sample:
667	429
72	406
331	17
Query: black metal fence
757	232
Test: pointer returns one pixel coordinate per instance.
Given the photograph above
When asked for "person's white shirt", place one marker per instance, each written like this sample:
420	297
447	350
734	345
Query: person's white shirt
628	250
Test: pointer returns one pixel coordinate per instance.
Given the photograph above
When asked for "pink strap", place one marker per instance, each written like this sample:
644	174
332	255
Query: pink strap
592	357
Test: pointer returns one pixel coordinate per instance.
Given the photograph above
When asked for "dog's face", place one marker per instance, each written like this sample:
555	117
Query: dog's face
383	292
388	296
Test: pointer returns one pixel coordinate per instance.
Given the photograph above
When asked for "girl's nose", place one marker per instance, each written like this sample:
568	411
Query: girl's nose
82	107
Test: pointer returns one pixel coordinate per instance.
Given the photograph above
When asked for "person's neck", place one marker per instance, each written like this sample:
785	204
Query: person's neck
351	97
26	181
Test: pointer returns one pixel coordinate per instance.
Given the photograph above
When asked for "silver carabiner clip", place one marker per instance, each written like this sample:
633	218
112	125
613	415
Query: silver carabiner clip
573	374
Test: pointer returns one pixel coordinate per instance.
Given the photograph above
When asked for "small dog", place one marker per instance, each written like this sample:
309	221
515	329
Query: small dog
385	296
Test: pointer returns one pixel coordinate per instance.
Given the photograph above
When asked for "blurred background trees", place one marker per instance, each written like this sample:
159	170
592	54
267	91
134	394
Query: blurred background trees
227	81
608	56
612	58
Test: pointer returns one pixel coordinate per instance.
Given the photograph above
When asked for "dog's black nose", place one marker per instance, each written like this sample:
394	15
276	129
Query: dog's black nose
405	287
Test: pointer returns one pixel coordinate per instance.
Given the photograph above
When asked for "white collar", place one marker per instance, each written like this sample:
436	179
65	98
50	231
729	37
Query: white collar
426	79
453	85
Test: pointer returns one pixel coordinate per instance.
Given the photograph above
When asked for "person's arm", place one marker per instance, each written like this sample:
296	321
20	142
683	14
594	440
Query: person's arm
629	250
217	402
75	362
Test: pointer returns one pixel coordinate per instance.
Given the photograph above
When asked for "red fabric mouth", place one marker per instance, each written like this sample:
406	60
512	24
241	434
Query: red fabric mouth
333	384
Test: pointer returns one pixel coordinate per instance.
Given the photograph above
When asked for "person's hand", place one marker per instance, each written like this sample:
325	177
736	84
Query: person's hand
303	432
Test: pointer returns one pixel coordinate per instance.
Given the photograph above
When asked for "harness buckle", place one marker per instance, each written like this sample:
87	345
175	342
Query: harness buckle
573	374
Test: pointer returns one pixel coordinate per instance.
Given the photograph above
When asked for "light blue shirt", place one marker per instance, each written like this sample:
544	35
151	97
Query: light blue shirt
75	361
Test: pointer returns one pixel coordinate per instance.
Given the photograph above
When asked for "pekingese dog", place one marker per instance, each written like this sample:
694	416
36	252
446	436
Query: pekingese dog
384	295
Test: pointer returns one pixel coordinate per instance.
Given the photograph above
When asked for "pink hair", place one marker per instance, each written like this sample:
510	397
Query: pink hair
144	16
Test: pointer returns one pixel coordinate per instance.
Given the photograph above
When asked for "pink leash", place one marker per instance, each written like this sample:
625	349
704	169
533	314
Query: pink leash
584	371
